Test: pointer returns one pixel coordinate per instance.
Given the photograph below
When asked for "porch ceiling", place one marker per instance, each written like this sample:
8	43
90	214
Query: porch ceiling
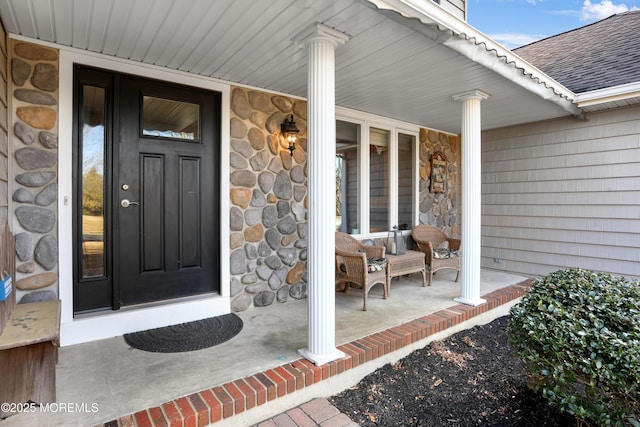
394	64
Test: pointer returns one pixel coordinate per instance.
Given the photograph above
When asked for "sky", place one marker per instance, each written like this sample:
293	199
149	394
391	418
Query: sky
515	23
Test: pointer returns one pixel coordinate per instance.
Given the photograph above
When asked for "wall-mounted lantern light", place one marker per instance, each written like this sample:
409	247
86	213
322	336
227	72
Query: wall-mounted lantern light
290	132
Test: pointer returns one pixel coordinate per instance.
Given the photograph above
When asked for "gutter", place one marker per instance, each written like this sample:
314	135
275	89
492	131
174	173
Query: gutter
609	94
464	39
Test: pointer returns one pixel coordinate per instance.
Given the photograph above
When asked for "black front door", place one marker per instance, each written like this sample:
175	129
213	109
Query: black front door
160	223
167	231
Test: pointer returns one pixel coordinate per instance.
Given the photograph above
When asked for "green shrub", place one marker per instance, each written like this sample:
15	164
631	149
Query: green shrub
578	333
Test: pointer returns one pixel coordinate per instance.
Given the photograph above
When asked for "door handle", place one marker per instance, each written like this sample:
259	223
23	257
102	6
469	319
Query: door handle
126	203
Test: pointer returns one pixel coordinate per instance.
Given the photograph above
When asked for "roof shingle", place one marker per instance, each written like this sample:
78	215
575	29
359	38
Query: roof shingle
600	55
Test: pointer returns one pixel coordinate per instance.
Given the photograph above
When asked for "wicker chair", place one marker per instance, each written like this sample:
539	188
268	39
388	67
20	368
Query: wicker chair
428	239
351	265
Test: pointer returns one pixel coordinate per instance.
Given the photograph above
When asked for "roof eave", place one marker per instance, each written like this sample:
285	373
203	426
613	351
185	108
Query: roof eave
465	40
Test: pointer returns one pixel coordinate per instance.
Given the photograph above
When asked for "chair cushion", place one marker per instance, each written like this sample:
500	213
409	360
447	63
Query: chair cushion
445	253
373	264
376	264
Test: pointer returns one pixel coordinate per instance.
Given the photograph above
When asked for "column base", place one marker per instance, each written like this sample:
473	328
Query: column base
473	302
321	359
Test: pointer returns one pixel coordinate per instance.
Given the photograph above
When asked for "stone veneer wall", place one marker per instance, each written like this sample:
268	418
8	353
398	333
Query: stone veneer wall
439	209
268	213
4	127
34	144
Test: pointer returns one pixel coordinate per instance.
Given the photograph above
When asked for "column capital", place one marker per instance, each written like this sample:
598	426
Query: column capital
472	94
320	32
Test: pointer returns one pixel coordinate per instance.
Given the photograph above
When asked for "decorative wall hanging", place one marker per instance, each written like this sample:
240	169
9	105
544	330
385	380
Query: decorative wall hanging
438	172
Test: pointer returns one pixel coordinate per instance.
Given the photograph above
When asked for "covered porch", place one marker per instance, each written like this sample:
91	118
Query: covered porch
400	60
229	384
411	62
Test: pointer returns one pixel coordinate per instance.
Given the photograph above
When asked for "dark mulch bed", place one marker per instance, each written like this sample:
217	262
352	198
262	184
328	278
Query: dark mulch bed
469	379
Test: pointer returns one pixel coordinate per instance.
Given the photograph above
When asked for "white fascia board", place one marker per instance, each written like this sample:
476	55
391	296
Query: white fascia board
609	94
478	47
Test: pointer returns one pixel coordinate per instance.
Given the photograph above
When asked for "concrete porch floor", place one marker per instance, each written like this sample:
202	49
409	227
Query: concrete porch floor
107	381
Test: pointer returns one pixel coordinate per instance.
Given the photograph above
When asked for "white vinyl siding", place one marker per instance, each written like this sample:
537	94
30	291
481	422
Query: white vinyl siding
563	193
455	7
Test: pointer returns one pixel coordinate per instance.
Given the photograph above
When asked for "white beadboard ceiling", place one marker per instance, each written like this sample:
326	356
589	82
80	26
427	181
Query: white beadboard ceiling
393	64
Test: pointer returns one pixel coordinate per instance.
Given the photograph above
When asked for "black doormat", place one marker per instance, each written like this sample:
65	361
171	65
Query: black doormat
188	336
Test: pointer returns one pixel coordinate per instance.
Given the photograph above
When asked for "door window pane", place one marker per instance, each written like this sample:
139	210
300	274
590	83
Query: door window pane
378	180
406	182
166	118
92	182
347	181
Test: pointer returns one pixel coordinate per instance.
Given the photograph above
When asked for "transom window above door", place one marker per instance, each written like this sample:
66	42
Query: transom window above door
166	118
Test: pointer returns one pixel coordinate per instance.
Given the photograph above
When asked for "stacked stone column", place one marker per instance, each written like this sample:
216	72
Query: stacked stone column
268	214
34	143
439	209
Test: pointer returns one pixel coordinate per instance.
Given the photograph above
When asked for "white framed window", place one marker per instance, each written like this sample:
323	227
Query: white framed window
376	174
348	171
380	167
407	197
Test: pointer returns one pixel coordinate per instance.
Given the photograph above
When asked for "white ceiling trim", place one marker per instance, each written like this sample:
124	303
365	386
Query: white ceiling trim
108	62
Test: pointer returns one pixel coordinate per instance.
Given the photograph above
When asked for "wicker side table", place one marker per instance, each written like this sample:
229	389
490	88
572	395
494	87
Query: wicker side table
409	262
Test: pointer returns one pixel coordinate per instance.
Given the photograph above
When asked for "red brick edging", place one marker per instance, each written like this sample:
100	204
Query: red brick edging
213	404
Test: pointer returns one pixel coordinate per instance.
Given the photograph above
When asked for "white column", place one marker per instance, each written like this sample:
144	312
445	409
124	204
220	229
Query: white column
471	195
321	42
